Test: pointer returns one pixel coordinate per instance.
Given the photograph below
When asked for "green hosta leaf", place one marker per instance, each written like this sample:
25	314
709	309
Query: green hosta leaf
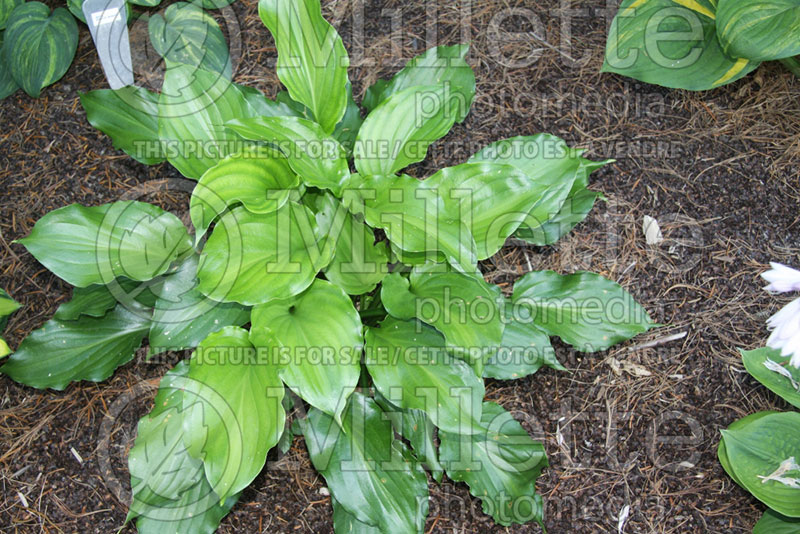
773	371
584	309
145	3
437	65
671	43
411	367
500	466
759	31
215	4
413	217
320	330
418	429
763	454
317	158
261	180
7	305
5	350
359	264
6	7
347	129
198	510
93	301
262	106
183	316
525	348
574	210
7	83
774	523
38	46
367	471
252	258
130	117
76	8
89	348
192	111
399	131
344	521
312	61
94	245
233	411
722	453
187	34
464	309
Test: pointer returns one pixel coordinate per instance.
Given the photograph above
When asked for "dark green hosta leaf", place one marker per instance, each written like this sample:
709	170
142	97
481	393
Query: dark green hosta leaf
233	412
763	455
399	131
6	7
359	264
344	521
574	210
145	3
93	301
437	65
464	309
525	348
500	466
198	510
773	371
318	158
347	129
192	111
38	46
130	117
312	61
260	179
187	34
671	43
584	309
774	523
411	367
7	84
183	316
367	471
89	348
759	31
418	429
94	245
320	330
252	258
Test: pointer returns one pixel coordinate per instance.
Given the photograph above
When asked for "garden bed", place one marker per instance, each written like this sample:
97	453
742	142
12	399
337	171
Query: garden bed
637	426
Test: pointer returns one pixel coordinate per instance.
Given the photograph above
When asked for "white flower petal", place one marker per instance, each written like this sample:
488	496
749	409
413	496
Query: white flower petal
785	335
782	278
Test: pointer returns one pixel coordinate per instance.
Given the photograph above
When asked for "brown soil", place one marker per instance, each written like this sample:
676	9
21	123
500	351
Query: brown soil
637	426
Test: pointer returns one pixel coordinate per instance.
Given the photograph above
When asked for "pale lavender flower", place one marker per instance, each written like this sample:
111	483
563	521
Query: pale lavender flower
785	326
782	279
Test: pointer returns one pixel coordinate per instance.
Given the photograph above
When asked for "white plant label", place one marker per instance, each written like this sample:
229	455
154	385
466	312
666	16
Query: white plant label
107	21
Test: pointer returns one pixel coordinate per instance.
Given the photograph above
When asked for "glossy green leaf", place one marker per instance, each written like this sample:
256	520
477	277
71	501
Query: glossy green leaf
763	455
462	308
312	61
316	157
89	348
774	523
437	65
94	245
672	43
7	304
6	7
771	369
320	332
367	471
93	301
198	510
525	348
347	129
500	466
584	309
411	367
399	131
262	106
574	210
183	316
7	84
359	264
233	412
259	179
344	521
252	258
722	453
192	111
130	117
759	31
187	34
38	46
76	8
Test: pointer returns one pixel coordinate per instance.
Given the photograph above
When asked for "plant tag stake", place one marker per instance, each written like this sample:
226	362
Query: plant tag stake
108	24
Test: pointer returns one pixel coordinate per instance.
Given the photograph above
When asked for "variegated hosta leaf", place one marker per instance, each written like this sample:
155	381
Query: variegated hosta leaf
369	473
7	84
321	352
6	7
672	43
411	367
312	61
187	34
500	465
233	412
38	46
761	30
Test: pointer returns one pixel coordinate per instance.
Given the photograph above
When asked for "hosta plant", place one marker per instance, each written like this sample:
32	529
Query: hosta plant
321	278
701	44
